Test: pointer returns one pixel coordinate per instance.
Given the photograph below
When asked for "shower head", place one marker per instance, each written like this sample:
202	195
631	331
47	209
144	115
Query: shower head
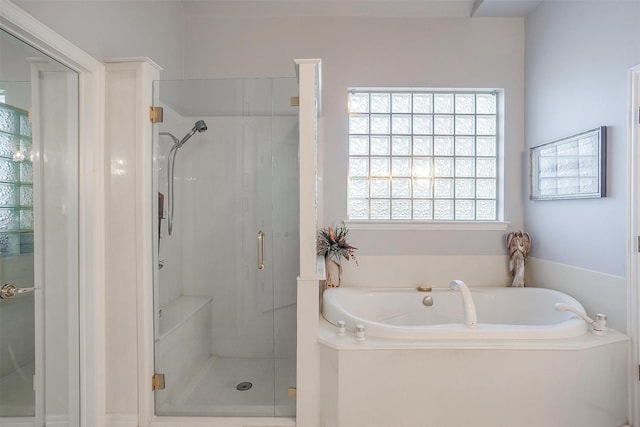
200	126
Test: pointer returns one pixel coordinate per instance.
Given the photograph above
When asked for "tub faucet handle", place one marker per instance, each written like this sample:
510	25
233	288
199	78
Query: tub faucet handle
601	319
342	328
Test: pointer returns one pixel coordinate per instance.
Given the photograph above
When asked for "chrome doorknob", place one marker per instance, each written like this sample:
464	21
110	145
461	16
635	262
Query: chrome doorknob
9	291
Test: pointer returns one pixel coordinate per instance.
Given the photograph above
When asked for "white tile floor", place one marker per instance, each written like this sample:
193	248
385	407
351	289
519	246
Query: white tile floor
213	391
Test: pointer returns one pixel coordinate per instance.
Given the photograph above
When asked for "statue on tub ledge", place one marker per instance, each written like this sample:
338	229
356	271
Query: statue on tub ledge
518	244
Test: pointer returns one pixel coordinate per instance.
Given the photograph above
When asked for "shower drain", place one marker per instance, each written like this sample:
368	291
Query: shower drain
244	386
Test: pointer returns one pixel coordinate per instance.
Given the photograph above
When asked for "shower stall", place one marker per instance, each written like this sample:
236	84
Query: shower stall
226	247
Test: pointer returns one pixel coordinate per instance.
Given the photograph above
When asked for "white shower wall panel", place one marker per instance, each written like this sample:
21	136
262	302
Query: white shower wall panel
205	169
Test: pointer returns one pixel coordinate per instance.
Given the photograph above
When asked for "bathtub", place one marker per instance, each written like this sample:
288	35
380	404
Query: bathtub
502	313
525	364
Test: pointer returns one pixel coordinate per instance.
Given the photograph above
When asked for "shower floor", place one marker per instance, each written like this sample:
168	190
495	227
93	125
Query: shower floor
213	391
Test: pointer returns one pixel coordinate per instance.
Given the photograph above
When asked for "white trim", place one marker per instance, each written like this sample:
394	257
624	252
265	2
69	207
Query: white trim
18	421
121	420
223	422
307	354
428	225
129	60
633	279
91	204
308	71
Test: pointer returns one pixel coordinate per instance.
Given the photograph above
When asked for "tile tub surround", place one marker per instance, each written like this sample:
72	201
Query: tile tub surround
430	270
597	292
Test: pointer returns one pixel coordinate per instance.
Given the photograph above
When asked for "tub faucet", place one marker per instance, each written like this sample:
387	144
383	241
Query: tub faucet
470	318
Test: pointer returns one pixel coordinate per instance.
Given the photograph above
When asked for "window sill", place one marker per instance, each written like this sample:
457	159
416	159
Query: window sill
428	225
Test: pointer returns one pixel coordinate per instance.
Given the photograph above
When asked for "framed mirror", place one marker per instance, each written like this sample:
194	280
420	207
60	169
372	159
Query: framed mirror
570	168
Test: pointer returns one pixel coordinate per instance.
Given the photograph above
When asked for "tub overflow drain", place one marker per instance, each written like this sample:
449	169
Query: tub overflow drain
244	386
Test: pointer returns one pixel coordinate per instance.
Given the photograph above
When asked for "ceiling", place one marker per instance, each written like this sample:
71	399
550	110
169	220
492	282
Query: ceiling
503	8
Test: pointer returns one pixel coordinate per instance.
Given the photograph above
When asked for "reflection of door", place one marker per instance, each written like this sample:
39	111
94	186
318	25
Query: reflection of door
17	327
39	329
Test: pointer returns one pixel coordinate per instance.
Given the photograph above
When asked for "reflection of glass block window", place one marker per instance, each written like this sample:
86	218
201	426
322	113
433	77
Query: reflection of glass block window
16	182
423	155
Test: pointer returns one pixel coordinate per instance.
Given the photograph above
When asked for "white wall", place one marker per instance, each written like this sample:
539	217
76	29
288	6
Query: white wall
577	58
116	29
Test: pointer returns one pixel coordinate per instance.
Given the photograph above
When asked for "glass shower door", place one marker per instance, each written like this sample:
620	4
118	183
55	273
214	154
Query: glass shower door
224	289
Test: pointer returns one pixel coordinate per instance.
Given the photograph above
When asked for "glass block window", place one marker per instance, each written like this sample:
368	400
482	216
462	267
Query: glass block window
423	155
16	182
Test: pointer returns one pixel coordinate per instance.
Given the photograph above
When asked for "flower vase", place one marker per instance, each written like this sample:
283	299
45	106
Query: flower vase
333	273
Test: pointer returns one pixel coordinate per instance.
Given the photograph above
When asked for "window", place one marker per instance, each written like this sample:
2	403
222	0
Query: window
423	155
16	182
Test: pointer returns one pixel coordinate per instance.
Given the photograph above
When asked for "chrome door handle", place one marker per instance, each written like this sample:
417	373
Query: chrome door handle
260	250
9	291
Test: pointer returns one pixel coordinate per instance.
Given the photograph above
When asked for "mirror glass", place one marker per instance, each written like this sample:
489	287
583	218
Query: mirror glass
39	339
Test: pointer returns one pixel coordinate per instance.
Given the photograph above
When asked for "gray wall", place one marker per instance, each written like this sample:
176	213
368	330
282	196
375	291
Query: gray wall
577	57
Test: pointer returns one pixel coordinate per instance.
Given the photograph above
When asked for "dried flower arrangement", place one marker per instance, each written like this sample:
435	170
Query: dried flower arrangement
332	245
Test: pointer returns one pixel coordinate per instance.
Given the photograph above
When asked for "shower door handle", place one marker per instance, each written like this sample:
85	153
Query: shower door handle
9	291
260	250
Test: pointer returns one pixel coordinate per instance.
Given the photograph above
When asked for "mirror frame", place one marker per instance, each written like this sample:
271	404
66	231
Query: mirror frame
579	160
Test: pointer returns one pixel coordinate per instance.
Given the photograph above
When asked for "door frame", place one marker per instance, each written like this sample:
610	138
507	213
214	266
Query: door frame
91	199
633	262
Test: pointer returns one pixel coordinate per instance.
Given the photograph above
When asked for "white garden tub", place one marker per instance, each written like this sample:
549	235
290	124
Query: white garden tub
502	313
